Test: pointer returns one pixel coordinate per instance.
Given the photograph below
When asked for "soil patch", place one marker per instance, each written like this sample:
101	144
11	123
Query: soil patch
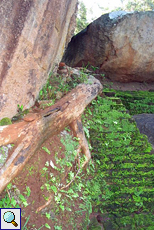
34	176
131	86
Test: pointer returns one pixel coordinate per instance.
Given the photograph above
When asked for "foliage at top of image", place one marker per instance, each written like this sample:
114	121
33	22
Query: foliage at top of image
137	5
127	5
131	5
81	21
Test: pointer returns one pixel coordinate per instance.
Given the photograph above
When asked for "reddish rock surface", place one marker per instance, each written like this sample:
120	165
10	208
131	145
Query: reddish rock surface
120	44
32	39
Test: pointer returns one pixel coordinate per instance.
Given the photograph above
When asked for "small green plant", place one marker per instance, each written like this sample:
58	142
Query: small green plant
20	114
48	216
103	75
57	84
20	108
47	226
56	227
6	202
11	202
24	227
94	68
70	150
54	84
28	191
23	200
46	150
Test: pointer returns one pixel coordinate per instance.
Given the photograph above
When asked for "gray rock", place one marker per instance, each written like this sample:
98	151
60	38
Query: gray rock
120	44
145	123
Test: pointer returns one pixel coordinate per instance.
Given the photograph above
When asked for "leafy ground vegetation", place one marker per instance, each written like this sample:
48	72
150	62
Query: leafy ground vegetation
117	185
124	165
136	102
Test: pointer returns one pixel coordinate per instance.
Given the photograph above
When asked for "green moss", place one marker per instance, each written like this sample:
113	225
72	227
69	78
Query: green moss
5	121
94	225
123	165
136	102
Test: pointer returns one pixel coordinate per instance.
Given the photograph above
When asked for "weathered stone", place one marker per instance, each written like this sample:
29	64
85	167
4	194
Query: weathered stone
120	44
32	39
145	123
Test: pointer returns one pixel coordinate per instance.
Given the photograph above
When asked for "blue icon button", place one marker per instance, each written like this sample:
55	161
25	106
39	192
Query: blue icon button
10	218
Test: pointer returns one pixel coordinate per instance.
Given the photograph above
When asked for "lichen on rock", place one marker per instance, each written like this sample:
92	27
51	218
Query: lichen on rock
4	150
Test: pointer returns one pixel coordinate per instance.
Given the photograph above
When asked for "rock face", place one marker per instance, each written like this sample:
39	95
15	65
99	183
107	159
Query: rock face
145	123
121	44
32	39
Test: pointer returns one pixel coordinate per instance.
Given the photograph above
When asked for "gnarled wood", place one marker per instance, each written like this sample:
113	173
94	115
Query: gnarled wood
29	135
78	131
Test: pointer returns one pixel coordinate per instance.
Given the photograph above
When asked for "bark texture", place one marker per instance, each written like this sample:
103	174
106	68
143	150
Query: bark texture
29	134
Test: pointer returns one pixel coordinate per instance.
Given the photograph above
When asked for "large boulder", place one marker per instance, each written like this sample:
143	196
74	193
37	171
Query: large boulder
32	40
121	44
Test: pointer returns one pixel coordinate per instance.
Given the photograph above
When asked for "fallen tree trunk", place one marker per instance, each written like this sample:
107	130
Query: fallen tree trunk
29	134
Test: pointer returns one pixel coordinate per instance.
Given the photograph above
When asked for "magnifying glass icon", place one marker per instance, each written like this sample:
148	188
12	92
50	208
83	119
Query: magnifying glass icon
9	217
